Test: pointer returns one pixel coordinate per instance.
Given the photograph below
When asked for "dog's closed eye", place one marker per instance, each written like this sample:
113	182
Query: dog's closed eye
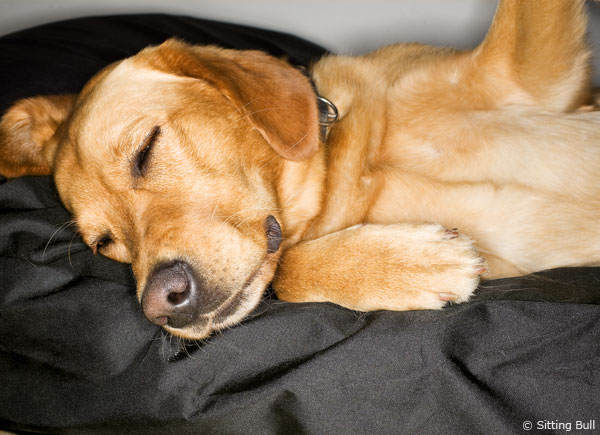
273	231
144	153
101	242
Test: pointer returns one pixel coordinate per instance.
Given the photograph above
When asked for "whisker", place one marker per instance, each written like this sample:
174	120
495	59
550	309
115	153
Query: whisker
233	215
69	250
250	102
212	216
289	148
239	111
60	228
259	111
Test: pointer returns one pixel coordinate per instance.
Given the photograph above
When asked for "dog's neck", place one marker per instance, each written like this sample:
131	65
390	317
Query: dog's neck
314	193
351	148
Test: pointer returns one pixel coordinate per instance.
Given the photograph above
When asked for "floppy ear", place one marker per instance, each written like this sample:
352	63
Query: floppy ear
275	97
28	137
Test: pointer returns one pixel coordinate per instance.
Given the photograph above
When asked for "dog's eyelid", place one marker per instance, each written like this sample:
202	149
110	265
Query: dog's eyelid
101	242
143	154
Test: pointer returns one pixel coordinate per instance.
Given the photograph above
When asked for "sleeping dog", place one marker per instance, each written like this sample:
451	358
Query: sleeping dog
215	172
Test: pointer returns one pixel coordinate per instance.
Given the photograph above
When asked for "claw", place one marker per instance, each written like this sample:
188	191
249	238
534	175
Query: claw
447	297
451	234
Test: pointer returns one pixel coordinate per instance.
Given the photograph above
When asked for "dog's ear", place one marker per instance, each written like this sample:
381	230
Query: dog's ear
28	134
274	96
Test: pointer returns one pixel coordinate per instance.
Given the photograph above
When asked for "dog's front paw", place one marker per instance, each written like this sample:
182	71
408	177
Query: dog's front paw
382	267
419	267
453	267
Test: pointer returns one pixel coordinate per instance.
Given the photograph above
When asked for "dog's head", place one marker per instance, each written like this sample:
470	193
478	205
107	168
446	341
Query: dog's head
172	160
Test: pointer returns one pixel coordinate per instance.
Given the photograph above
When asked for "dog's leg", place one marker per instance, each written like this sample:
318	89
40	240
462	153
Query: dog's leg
371	267
540	47
502	106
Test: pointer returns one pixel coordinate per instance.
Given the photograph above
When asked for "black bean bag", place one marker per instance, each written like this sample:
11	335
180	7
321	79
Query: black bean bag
78	356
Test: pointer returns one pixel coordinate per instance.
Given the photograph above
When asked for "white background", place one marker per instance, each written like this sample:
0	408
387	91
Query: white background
344	26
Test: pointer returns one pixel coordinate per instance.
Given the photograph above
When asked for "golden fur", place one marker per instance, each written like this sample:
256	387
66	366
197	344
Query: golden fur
497	142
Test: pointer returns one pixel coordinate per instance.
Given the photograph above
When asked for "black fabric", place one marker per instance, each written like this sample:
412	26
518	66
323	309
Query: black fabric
77	355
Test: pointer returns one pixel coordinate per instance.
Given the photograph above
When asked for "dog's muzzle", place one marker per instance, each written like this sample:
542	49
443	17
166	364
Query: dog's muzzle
177	297
174	296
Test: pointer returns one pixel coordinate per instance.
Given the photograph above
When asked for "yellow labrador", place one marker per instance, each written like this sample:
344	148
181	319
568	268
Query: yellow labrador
210	172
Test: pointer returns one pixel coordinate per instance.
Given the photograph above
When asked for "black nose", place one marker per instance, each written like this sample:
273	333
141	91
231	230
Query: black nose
170	296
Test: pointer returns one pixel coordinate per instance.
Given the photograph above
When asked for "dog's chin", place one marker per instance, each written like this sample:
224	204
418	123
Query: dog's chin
235	308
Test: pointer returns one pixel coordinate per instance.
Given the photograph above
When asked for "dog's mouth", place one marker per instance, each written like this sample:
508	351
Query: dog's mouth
241	303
